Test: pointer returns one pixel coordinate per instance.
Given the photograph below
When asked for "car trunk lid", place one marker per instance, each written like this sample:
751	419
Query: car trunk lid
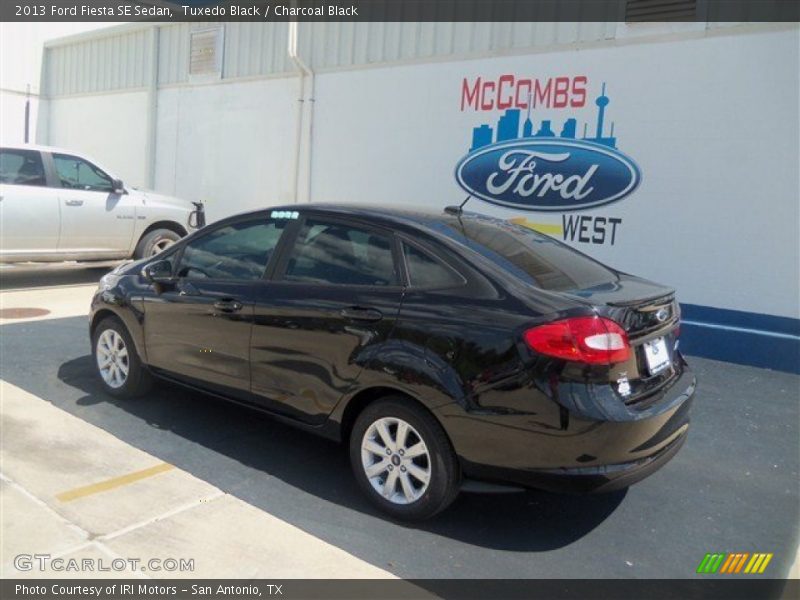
642	307
650	315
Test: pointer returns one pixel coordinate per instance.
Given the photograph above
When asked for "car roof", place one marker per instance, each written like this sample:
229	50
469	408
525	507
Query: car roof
38	147
390	214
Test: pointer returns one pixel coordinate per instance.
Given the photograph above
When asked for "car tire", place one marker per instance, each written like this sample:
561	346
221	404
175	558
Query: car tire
116	361
154	242
407	496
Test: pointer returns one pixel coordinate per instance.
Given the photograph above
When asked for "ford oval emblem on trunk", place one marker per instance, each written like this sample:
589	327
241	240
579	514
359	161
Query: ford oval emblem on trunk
547	175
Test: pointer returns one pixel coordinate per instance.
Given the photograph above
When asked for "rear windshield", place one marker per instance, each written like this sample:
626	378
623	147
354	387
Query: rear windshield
532	256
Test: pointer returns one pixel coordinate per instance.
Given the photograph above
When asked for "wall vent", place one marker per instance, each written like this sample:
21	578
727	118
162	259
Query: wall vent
637	11
205	52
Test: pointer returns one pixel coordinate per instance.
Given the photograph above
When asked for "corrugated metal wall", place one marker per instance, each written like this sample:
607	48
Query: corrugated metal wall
97	64
120	59
173	54
328	45
251	50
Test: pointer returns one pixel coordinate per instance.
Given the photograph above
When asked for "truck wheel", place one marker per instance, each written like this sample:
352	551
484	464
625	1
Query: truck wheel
154	242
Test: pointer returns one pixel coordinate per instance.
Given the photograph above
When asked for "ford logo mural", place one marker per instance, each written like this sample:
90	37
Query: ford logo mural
547	174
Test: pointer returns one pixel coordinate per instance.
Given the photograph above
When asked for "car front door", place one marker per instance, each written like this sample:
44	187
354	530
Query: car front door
94	219
198	326
333	299
29	210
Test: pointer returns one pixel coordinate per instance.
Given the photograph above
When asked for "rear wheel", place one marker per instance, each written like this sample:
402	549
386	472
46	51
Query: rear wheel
116	361
154	242
403	460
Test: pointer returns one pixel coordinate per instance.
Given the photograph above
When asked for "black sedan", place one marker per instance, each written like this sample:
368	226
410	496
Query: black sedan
444	348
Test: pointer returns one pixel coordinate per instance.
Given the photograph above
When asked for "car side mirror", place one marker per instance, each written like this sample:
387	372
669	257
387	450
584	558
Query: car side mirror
118	186
158	272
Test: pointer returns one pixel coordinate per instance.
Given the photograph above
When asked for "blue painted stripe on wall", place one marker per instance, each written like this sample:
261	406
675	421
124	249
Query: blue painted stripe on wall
738	318
741	337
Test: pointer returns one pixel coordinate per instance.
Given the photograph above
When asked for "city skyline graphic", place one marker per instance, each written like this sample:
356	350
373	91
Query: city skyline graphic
508	127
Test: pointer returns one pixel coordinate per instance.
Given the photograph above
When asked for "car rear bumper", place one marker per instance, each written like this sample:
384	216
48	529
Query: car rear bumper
584	480
571	454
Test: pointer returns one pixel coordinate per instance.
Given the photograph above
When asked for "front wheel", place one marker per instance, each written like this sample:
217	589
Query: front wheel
155	242
403	460
116	361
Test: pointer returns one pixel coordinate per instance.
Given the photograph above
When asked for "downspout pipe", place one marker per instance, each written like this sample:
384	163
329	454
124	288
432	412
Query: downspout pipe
152	110
305	115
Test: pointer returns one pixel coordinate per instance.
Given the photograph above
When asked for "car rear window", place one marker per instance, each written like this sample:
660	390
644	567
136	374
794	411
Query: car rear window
425	271
21	167
532	256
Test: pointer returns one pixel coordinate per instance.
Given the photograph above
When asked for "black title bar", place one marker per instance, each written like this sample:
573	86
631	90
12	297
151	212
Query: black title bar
400	10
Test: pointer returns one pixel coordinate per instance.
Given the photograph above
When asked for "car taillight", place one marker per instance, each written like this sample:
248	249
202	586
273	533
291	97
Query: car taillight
592	340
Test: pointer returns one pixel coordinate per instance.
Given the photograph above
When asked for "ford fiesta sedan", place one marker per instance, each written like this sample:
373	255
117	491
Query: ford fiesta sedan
442	348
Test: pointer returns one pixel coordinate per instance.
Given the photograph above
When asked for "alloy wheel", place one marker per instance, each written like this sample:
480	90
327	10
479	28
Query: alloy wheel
396	460
112	358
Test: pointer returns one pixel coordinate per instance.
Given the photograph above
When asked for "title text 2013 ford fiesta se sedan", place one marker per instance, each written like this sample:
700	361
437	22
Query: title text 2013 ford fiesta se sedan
442	347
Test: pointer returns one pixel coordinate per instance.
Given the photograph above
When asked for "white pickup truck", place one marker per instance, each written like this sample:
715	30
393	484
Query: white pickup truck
57	205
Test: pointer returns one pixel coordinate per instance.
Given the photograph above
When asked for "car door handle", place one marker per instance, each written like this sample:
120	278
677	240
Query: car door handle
228	305
74	202
358	313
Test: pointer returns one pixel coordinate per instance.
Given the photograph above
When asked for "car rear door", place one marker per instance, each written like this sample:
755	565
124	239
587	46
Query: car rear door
198	327
333	299
94	219
29	210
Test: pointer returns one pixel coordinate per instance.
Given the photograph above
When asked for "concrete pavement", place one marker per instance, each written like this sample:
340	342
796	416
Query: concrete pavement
47	453
63	290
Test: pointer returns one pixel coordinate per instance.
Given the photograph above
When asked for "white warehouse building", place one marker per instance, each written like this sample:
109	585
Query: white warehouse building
683	139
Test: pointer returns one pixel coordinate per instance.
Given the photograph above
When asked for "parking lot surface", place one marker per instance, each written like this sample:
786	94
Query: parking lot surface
732	488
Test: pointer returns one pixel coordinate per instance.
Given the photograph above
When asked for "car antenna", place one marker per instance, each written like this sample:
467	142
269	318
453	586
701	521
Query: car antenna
457	210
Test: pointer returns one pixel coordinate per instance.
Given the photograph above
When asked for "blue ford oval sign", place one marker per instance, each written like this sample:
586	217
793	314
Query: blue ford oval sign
547	174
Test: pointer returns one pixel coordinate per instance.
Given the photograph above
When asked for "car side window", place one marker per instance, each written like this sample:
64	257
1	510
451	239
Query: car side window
21	167
341	254
78	174
426	271
236	251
